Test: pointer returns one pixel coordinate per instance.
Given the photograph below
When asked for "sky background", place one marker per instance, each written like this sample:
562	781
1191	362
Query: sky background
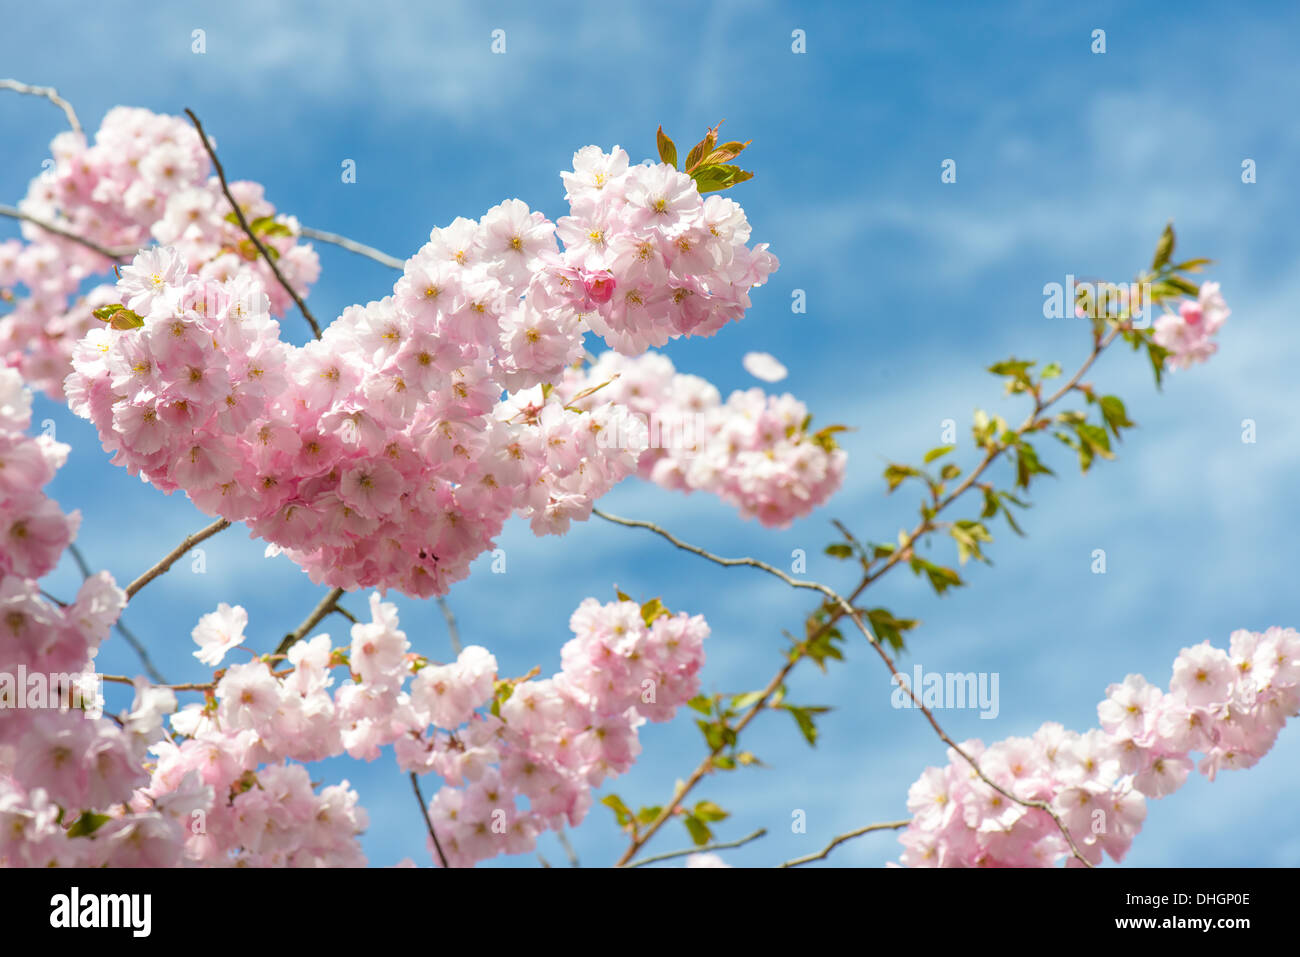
1067	162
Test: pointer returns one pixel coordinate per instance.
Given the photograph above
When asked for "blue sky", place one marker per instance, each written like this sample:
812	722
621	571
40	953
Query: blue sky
1068	162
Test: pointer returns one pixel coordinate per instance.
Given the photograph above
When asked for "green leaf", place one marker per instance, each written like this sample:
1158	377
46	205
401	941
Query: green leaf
667	151
652	610
1157	354
1113	411
714	734
88	824
742	702
939	452
889	629
701	704
725	153
1183	285
1012	367
1092	441
803	718
622	596
1051	370
701	149
969	534
826	437
941	578
896	474
1028	465
823	647
723	762
118	317
621	810
1164	248
699	831
708	811
950	472
267	226
715	176
806	726
839	550
648	815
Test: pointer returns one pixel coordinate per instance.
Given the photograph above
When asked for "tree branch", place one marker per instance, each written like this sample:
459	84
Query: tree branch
51	94
826	590
248	230
115	255
138	646
174	555
452	631
327	605
825	851
761	832
424	809
352	246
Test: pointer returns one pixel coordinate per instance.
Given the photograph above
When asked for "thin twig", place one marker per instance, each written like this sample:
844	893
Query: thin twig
706	766
174	555
352	246
122	255
136	644
826	590
193	686
327	605
248	230
424	809
51	94
569	852
452	631
891	826
698	850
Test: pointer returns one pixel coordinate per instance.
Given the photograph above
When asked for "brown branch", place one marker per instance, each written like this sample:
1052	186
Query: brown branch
51	94
452	631
706	765
248	230
136	644
352	246
990	456
761	832
844	607
122	255
825	851
428	822
327	605
174	555
979	772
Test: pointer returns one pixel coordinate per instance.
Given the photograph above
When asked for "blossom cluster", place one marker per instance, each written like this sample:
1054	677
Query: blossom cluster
493	742
381	454
1228	706
657	260
552	741
384	454
754	451
1186	334
145	177
223	782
